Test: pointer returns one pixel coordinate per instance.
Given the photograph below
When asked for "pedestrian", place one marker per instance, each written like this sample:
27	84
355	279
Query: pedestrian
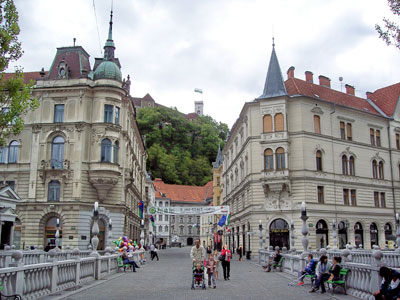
389	285
197	253
226	256
152	247
211	264
216	258
240	252
156	252
209	250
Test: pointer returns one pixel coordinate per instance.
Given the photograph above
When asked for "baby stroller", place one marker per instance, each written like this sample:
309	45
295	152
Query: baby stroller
198	280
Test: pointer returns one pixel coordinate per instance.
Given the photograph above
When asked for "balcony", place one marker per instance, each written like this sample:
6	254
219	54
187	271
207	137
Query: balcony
104	176
54	168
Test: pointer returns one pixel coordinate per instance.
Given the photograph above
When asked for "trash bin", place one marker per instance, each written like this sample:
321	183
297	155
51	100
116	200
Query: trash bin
248	255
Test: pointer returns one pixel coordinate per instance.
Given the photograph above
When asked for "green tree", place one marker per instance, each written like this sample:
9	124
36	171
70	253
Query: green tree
15	96
180	151
390	31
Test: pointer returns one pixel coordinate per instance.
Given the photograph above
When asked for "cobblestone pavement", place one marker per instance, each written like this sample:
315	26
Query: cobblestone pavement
170	278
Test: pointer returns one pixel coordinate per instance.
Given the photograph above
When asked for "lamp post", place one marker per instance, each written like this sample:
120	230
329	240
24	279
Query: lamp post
334	234
57	235
260	227
304	229
95	230
397	232
292	236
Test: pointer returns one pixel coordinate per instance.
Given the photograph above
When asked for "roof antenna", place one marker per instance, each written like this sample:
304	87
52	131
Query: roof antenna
341	83
74	41
273	37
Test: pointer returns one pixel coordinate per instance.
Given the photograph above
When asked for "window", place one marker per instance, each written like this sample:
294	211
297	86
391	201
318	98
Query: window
173	219
320	194
59	113
166	228
342	131
378	138
166	217
352	170
376	199
106	147
3	155
279	122
397	141
181	230
317	124
54	191
13	152
117	109
381	174
57	152
374	169
189	219
353	196
280	159
319	160
346	196
116	150
160	228
372	136
108	113
190	230
383	200
181	220
349	134
198	220
267	123
269	159
344	165
10	183
160	217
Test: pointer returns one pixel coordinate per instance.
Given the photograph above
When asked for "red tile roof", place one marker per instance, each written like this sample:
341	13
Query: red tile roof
386	98
191	116
27	76
183	193
295	86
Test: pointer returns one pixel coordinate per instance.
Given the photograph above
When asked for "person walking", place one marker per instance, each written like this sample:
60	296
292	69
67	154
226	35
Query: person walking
156	252
152	247
216	258
197	253
211	264
240	252
226	256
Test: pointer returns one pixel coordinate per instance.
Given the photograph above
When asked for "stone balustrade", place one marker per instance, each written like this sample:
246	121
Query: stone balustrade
363	278
34	274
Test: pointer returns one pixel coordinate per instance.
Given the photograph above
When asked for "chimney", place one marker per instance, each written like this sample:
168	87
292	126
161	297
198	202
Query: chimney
368	94
324	81
350	89
309	76
290	72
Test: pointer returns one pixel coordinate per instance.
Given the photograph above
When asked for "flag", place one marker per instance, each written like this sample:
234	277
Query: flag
228	220
152	220
222	221
140	209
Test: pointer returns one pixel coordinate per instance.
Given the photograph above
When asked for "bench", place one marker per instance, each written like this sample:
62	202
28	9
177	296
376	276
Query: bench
312	278
120	264
278	265
340	282
12	297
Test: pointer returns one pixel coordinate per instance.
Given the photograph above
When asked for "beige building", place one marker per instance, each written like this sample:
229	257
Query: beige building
302	141
80	146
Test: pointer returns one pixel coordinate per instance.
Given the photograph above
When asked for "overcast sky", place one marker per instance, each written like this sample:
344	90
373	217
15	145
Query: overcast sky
171	47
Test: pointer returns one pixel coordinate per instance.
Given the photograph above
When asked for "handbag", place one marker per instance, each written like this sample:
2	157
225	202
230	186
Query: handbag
221	258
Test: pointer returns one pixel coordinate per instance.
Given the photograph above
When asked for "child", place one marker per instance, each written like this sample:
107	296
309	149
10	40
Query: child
198	273
211	264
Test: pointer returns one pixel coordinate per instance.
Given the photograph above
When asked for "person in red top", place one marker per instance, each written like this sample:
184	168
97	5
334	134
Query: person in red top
226	256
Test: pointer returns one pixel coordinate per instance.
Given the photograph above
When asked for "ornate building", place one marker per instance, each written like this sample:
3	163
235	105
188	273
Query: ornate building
80	146
304	142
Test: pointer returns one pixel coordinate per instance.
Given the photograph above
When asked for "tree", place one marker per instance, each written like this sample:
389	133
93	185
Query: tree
15	96
390	32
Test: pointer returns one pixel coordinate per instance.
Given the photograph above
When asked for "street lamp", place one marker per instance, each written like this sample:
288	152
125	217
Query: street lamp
57	235
334	234
95	230
260	227
304	229
292	236
397	232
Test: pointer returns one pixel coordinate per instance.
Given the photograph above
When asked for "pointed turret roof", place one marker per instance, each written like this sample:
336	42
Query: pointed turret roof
219	159
109	47
274	84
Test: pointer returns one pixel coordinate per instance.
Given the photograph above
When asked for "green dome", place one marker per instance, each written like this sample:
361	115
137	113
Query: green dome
108	70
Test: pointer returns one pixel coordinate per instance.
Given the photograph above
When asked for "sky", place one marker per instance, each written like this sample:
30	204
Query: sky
171	47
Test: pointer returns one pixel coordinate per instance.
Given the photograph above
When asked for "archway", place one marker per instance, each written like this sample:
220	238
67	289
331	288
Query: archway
342	233
322	234
50	232
279	233
189	241
358	235
373	231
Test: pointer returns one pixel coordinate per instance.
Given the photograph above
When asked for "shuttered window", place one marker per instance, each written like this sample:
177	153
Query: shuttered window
317	124
279	122
267	123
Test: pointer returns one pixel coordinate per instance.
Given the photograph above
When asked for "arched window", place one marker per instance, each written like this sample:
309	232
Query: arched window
318	157
342	234
267	123
13	152
389	232
269	159
280	159
116	151
358	235
57	152
279	126
50	232
344	165
374	169
381	174
54	191
322	234
352	169
373	229
317	124
279	233
106	147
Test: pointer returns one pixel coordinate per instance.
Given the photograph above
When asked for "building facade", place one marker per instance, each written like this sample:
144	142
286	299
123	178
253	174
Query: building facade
80	146
304	142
